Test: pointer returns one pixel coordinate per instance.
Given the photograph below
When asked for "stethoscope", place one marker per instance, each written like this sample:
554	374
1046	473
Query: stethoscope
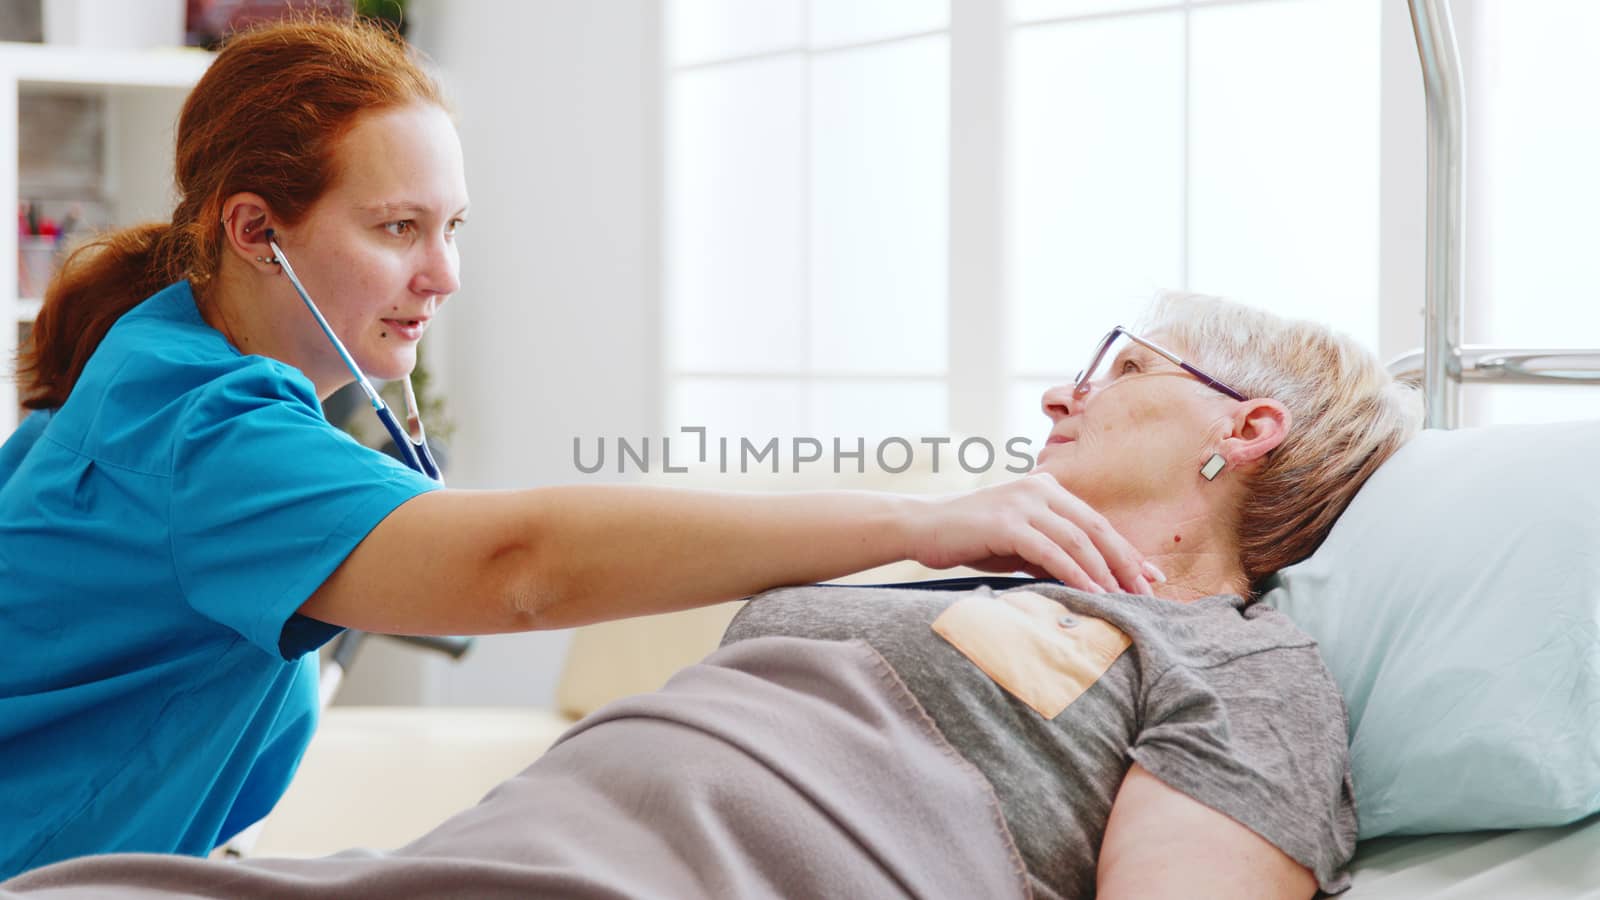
412	442
414	453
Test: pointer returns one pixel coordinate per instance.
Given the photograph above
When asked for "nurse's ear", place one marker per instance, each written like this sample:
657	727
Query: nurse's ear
245	221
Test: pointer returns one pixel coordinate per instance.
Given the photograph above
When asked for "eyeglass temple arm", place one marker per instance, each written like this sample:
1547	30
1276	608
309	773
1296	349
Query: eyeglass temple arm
1211	382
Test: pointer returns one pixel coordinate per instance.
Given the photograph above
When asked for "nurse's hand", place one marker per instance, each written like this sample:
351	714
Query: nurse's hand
1033	525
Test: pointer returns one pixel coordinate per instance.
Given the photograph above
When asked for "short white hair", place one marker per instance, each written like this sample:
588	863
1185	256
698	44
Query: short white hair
1349	416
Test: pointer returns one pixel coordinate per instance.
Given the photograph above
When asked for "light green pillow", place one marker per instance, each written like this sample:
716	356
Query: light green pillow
1457	603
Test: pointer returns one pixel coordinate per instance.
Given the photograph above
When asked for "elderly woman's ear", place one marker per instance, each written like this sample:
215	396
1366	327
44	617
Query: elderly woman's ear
1258	426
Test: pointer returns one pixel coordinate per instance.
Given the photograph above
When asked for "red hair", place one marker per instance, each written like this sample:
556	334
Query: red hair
267	118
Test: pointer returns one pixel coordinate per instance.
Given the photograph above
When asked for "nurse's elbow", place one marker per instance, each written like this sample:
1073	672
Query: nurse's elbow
523	588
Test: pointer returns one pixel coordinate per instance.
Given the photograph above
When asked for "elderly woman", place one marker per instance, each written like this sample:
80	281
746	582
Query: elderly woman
1013	739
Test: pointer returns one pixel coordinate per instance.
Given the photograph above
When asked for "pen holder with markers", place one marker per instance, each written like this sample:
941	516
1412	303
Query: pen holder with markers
36	263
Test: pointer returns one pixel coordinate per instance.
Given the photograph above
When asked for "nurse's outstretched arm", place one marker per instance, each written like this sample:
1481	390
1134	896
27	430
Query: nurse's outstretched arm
473	562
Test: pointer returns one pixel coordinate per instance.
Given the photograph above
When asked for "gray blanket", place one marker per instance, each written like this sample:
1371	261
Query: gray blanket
779	767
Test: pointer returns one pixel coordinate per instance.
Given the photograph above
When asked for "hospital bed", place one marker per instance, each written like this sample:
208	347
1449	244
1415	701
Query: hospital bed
1529	864
1532	864
376	753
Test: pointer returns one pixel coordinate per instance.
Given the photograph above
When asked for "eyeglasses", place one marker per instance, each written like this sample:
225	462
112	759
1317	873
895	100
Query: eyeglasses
1080	384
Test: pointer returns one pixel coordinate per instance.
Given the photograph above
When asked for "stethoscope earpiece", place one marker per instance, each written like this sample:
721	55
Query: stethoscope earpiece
271	237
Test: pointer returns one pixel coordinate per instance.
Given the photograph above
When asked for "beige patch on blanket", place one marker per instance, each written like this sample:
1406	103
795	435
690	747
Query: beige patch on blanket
1039	651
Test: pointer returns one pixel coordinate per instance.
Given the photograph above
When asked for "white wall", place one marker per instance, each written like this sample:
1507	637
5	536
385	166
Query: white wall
555	332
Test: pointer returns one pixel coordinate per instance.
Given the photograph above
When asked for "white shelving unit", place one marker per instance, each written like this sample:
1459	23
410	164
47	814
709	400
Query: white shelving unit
143	91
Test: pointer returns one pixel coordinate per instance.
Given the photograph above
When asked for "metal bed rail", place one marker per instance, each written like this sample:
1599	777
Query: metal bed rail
1444	363
1498	365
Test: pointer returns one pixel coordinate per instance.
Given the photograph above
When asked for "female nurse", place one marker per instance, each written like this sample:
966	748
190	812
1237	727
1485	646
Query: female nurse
180	527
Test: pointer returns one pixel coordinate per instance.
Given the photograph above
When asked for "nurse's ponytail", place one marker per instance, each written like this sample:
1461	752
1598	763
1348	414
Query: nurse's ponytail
266	118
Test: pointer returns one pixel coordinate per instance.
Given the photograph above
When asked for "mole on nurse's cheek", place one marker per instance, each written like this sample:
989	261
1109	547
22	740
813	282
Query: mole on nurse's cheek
383	334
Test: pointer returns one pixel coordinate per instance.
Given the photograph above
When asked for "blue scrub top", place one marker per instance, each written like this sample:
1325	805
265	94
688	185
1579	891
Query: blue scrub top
158	533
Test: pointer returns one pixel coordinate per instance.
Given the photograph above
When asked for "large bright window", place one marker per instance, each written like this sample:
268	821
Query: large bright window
1226	148
806	217
1531	194
823	253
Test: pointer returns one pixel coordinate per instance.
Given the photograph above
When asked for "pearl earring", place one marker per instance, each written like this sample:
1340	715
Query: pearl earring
1212	467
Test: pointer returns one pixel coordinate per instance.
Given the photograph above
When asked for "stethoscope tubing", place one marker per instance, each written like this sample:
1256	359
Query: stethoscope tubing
413	452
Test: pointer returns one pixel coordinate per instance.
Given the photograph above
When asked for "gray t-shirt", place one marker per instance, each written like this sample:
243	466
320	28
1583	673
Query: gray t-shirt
1227	702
